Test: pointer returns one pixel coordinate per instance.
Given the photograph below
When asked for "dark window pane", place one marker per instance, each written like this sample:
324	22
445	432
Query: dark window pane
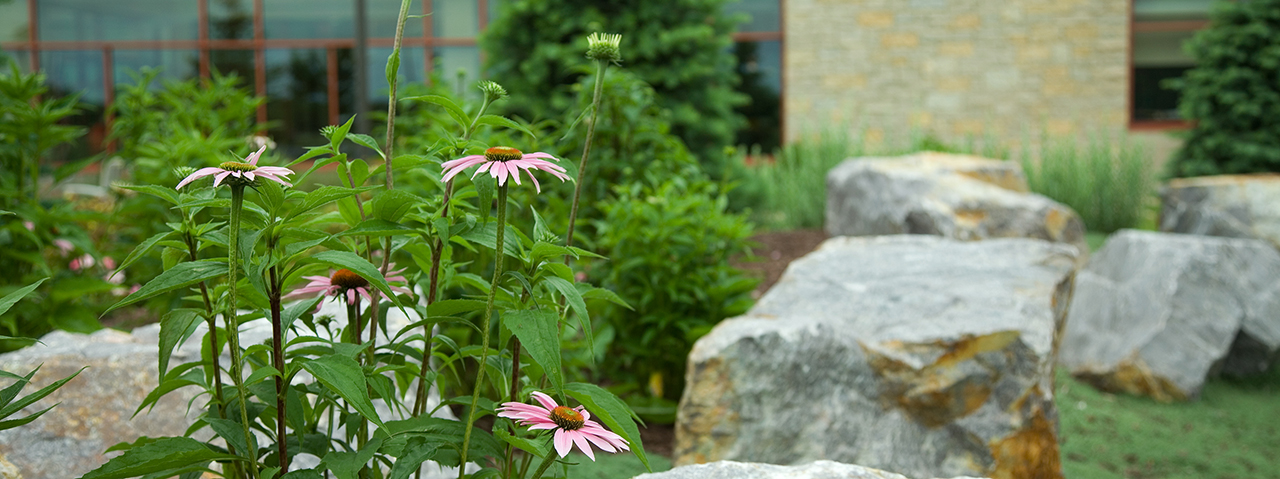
21	57
1151	100
297	97
1170	10
310	18
231	19
79	20
239	62
13	21
455	18
460	68
760	67
173	64
74	71
412	70
1161	48
763	15
381	16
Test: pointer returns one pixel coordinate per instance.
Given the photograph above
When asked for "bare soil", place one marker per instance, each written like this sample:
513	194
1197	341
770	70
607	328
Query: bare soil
775	250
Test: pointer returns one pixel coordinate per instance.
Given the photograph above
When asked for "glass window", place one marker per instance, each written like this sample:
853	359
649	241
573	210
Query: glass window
1158	56
1170	10
412	70
297	95
21	57
173	64
239	62
13	21
455	18
459	67
760	67
381	18
763	15
231	19
310	18
78	20
74	71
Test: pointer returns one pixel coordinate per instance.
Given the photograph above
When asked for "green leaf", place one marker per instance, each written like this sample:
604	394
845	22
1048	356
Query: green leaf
175	327
451	307
574	298
409	461
366	141
487	235
391	205
607	295
296	310
12	423
378	227
325	195
167	194
485	188
144	247
357	265
303	474
454	110
344	376
11	298
162	454
233	433
340	133
495	120
542	250
539	333
530	446
181	276
608	409
346	465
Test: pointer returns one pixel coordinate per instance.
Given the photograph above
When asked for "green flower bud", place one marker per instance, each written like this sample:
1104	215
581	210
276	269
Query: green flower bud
492	90
604	47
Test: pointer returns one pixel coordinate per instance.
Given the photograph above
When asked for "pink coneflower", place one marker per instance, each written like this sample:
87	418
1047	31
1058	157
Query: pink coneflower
64	246
571	425
243	171
501	161
348	282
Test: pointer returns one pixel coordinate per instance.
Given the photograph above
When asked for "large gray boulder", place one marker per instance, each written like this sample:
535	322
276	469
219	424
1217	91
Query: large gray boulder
954	196
1236	206
1157	313
746	470
96	407
921	355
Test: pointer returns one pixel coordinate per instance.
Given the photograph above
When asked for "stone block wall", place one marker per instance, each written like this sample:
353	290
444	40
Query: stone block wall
956	69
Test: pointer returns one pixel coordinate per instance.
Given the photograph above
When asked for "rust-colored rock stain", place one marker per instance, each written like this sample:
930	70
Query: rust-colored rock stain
1030	453
1133	376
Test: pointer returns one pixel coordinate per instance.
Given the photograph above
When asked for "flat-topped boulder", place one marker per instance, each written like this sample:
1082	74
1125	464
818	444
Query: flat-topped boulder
921	355
1236	206
747	470
1156	314
954	196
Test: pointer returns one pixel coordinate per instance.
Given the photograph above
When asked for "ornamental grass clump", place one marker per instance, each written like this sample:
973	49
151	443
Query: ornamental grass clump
252	241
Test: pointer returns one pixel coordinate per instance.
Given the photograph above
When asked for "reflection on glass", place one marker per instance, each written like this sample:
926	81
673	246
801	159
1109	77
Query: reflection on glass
455	18
763	15
13	21
21	57
1170	10
1158	56
173	64
412	70
760	67
78	20
231	19
74	71
458	67
495	8
381	18
297	96
310	18
239	62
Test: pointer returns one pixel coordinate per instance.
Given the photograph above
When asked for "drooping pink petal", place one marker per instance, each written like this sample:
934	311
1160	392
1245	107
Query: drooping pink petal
581	441
599	442
217	180
563	443
200	173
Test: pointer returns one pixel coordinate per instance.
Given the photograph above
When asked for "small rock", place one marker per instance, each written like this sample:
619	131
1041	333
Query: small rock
1235	206
1156	314
746	470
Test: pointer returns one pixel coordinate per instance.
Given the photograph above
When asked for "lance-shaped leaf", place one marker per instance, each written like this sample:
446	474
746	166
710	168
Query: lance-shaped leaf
175	327
611	411
344	376
539	333
360	266
10	299
181	276
159	455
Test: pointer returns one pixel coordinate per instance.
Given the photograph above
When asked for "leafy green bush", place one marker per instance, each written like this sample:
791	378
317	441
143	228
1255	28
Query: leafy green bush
1109	183
1232	96
681	48
670	240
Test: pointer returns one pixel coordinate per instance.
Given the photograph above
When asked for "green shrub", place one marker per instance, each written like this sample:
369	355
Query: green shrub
669	240
681	48
1109	183
1232	96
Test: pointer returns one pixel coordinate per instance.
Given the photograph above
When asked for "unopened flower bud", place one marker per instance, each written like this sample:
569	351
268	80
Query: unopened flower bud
183	171
492	90
604	47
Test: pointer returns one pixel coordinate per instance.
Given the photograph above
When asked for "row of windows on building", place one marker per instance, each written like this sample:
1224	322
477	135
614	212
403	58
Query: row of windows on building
298	53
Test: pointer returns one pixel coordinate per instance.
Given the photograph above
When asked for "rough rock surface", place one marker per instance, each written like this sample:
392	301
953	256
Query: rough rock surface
1237	206
8	470
1157	313
960	197
96	406
747	470
915	354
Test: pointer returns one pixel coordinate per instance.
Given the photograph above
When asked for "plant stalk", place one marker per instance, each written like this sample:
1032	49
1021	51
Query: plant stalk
601	67
233	320
500	252
277	359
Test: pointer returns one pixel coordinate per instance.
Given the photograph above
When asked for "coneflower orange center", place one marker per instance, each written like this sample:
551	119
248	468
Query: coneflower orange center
567	418
237	166
347	279
502	153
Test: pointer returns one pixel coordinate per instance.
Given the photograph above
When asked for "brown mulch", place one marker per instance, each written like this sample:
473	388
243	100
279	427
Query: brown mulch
775	250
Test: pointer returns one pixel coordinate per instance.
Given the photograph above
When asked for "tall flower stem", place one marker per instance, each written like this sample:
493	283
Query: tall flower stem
353	318
233	320
214	369
500	252
546	463
601	67
277	360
